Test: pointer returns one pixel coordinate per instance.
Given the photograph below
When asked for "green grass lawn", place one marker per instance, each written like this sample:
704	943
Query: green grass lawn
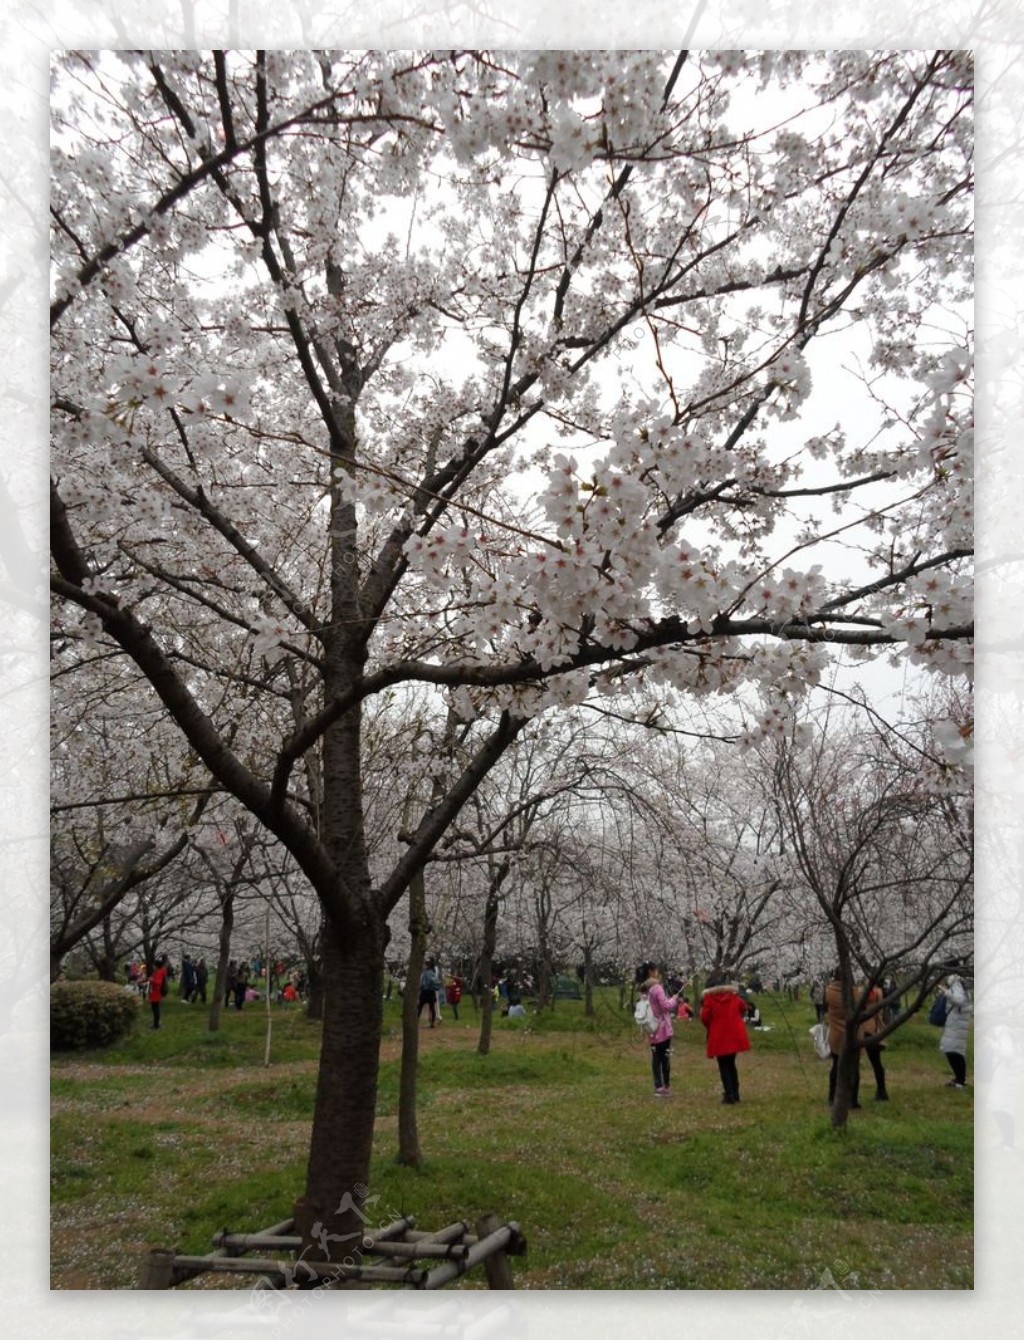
171	1136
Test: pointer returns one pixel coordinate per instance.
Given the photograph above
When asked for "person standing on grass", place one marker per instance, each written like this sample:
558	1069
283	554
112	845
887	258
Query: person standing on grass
188	980
158	988
241	983
873	1049
835	1015
954	1033
662	1007
428	991
453	988
721	1012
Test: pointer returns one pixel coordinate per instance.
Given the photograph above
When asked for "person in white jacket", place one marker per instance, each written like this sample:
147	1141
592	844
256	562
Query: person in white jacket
954	1033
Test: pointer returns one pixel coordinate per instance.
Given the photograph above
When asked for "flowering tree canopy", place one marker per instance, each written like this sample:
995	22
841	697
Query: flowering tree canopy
511	373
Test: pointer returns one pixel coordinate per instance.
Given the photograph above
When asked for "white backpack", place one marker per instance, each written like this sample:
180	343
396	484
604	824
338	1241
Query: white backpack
644	1016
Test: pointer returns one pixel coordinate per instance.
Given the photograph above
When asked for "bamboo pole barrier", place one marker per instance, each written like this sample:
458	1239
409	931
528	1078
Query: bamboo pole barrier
277	1235
414	1250
274	1240
458	1248
393	1230
450	1233
161	1270
492	1241
251	1265
250	1242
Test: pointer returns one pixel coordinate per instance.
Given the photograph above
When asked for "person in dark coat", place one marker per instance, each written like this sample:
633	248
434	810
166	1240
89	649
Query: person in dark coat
188	980
721	1012
429	984
241	983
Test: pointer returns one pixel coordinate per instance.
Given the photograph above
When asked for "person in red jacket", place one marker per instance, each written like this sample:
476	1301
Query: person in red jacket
721	1012
158	988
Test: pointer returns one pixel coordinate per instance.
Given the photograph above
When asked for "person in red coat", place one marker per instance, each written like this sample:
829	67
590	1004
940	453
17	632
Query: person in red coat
158	989
721	1012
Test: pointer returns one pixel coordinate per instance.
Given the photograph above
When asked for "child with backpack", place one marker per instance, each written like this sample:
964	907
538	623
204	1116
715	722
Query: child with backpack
656	1023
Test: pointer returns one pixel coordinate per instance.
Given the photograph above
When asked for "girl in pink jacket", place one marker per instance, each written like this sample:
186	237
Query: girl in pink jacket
663	1007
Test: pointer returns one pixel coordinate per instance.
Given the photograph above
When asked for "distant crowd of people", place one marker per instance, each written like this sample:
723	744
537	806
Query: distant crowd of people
244	982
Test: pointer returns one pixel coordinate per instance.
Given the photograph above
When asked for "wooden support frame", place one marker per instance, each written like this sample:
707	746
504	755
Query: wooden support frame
397	1254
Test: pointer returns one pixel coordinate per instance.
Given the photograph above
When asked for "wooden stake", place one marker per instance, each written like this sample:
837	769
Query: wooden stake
157	1270
496	1264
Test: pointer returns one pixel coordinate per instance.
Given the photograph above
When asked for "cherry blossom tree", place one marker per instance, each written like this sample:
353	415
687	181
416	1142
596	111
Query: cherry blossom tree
877	830
509	374
124	810
493	849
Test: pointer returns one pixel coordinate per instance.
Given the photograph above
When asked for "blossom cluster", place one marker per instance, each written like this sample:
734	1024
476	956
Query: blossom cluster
572	106
151	382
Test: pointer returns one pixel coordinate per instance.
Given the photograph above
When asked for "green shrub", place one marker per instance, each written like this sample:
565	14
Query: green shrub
90	1014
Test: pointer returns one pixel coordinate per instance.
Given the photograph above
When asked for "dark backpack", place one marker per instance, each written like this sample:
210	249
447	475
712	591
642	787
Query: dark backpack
939	1010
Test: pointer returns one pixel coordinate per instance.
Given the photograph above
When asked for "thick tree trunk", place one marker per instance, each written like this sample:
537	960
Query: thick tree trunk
330	1215
336	1208
408	1133
847	1074
106	968
106	961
